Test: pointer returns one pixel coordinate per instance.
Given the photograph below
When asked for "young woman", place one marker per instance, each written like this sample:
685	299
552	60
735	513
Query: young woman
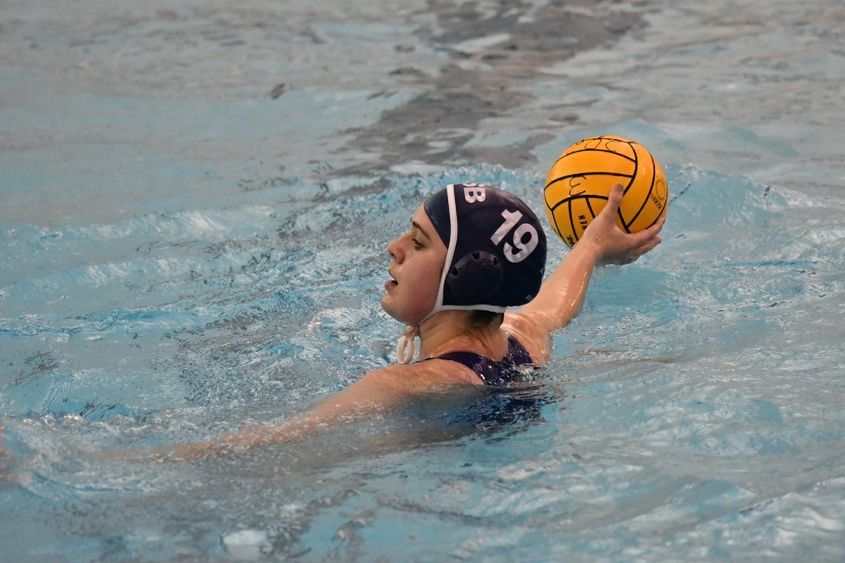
471	251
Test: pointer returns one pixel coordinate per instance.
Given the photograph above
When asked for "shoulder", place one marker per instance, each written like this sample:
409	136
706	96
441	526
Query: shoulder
422	377
530	332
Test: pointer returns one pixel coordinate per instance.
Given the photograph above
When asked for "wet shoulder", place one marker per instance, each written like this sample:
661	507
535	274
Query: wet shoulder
424	376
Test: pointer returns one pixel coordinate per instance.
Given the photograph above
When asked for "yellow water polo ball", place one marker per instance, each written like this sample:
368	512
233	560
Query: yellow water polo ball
580	180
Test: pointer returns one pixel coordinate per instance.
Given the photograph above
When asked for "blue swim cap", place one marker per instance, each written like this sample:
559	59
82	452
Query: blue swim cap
496	248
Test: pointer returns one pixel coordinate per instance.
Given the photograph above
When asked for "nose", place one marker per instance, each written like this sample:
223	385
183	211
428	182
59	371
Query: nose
395	251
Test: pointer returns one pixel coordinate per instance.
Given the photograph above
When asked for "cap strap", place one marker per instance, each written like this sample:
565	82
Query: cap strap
406	345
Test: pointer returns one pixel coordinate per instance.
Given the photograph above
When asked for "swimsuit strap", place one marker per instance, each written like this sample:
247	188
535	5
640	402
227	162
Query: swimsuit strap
491	371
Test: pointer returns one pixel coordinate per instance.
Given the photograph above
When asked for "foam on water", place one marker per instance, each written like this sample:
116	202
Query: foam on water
652	433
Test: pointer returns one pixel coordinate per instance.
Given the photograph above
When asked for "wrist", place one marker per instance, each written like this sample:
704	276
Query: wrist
589	249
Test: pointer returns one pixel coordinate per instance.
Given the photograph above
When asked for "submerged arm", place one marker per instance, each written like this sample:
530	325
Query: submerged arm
6	458
378	390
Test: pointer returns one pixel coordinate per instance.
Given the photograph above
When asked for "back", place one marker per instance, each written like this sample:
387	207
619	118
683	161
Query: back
493	372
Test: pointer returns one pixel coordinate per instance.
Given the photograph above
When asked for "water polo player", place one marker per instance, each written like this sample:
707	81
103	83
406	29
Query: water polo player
471	252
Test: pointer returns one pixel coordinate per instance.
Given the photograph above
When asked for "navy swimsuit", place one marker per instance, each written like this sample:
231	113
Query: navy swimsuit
504	403
490	371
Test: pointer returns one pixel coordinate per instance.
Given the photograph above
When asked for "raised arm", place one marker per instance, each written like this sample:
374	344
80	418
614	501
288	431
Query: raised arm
562	294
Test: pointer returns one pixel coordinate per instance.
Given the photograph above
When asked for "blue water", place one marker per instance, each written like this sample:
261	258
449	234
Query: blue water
194	206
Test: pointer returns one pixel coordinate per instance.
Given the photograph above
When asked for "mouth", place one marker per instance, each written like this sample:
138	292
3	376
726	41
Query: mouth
391	283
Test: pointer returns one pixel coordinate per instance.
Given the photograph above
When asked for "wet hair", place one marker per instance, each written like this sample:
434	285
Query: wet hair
483	319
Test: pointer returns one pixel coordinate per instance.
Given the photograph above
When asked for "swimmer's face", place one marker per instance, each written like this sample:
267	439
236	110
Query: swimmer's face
418	257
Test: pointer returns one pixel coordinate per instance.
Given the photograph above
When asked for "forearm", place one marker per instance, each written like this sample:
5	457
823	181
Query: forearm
372	393
562	295
298	427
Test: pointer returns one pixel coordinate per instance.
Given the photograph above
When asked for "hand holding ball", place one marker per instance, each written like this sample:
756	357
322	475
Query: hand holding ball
579	184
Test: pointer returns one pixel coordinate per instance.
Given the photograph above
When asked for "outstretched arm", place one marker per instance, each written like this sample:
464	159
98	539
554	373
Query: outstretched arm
9	474
562	294
376	391
5	461
372	392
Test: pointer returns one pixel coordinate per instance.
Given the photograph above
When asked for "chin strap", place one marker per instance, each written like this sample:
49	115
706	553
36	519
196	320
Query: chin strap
406	347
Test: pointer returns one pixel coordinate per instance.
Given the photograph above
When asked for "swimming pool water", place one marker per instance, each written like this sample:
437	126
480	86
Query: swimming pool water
194	209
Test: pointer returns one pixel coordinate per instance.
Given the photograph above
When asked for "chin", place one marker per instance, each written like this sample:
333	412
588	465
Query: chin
400	316
385	306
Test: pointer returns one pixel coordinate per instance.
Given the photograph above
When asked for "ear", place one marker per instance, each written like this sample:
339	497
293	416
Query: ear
473	278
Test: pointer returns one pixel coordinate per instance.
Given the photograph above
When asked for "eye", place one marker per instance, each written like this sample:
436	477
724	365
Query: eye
417	244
